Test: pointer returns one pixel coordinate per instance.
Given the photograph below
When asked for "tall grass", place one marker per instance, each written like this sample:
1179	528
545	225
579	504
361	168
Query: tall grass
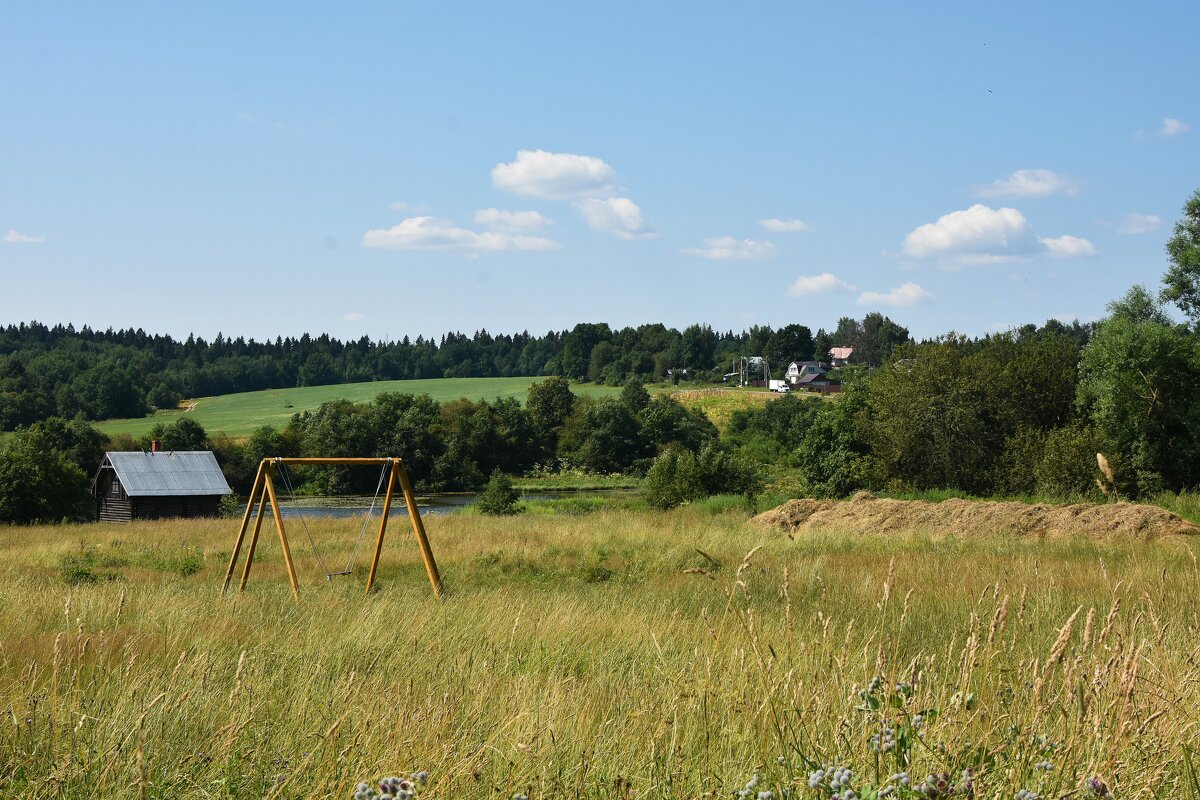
609	654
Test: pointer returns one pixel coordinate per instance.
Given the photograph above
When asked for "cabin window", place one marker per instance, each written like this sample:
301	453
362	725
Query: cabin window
115	489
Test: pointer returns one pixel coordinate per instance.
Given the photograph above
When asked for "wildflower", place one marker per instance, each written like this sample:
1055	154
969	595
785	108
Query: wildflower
885	740
966	783
766	795
421	778
918	720
815	778
937	785
1025	794
1098	787
840	779
1044	765
520	797
900	779
780	760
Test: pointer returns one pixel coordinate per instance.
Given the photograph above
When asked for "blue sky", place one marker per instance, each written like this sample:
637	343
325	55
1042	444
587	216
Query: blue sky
264	169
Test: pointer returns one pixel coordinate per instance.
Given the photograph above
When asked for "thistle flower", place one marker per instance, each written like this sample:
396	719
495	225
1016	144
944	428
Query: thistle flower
1025	794
1098	787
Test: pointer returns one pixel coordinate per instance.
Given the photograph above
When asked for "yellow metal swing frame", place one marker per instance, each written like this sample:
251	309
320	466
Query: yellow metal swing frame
263	494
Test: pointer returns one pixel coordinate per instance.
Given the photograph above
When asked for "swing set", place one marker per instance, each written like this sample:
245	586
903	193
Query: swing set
391	473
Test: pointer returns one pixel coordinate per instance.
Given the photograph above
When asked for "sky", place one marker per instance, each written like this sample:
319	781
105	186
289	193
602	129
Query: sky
392	169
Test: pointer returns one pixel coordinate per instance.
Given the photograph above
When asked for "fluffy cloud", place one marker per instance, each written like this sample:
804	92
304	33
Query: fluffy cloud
906	294
12	237
555	176
586	182
727	248
1135	223
1173	127
354	316
785	225
617	215
431	233
1068	247
983	235
809	285
1030	183
499	220
978	235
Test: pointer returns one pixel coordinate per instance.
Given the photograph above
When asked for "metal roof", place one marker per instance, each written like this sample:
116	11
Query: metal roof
167	473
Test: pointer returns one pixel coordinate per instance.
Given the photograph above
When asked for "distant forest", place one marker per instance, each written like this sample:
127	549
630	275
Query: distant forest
64	372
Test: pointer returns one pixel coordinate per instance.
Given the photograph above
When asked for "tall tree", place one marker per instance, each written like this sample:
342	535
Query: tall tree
1182	279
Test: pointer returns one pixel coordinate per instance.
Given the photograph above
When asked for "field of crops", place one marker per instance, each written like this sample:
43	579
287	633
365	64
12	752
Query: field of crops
239	414
617	653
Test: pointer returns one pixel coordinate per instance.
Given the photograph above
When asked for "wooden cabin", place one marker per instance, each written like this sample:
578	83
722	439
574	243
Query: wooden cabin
155	485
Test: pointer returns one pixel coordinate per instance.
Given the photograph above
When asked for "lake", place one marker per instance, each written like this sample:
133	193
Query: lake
436	503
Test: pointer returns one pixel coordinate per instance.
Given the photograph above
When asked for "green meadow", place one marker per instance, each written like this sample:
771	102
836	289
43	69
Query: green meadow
616	653
239	414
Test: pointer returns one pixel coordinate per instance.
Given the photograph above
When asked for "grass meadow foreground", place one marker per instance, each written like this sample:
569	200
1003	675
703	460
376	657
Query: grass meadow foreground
610	654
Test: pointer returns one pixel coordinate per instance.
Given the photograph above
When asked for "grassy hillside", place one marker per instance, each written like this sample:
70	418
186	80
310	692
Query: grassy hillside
612	654
239	414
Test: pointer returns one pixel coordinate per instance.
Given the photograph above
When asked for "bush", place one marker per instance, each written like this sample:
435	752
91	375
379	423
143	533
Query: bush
677	476
498	498
231	507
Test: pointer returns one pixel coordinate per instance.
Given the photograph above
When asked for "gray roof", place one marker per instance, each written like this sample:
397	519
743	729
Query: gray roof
173	472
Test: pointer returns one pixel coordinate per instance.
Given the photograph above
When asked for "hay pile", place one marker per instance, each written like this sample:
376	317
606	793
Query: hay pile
867	514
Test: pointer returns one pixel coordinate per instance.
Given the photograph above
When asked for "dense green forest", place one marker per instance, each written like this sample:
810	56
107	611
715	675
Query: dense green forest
1019	413
60	371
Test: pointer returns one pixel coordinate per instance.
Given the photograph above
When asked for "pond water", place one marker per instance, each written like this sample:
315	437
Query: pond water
437	503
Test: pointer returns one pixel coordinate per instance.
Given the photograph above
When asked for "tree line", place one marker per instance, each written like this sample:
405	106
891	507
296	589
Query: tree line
60	371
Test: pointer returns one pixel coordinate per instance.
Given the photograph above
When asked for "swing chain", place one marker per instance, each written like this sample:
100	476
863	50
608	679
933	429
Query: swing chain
353	558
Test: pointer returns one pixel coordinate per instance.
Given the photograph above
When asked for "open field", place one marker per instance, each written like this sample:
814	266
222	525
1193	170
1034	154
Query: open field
611	654
718	404
239	414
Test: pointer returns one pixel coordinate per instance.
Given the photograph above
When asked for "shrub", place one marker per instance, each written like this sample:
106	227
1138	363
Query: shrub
499	498
231	507
677	476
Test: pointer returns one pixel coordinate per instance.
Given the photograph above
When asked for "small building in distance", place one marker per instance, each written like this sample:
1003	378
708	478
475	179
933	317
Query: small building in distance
798	369
840	355
155	485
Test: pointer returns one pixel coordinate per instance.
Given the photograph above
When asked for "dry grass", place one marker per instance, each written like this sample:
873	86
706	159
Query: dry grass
719	404
604	655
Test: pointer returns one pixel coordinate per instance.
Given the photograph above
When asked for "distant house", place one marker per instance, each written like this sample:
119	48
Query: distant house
817	382
140	485
798	369
840	355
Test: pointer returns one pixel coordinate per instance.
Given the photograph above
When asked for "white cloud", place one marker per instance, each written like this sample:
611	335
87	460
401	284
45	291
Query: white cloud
727	248
12	237
1174	127
1030	183
809	285
500	220
978	235
1134	223
617	215
431	233
786	225
555	176
906	294
1068	247
983	235
354	316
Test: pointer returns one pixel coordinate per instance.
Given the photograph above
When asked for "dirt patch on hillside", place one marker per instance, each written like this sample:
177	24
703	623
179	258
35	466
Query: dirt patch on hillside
870	515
